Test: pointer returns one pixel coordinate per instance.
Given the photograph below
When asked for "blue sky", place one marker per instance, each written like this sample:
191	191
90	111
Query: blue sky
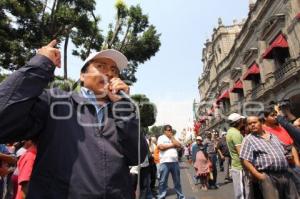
170	78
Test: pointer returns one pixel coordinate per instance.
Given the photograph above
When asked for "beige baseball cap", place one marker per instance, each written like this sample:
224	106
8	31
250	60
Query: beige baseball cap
199	138
234	117
118	57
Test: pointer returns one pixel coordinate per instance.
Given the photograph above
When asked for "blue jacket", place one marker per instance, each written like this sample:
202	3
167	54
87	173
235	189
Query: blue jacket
76	159
293	131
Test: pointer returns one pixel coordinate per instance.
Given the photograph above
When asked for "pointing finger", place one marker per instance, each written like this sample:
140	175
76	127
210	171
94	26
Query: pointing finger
52	43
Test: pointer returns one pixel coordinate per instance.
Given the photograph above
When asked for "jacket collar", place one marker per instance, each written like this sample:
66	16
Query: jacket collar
79	98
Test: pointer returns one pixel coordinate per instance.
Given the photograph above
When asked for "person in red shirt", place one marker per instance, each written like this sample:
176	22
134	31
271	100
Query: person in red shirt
272	126
24	166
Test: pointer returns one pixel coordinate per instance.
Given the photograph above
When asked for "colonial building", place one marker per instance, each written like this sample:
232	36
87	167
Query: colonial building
252	63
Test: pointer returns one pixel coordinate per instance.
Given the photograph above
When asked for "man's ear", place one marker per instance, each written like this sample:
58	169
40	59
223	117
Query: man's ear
82	77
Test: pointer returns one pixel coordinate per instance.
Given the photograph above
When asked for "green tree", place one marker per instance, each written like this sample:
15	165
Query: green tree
18	30
147	110
156	131
36	22
134	36
26	25
2	77
62	83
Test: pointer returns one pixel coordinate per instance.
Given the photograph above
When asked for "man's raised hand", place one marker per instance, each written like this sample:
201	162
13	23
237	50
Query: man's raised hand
51	52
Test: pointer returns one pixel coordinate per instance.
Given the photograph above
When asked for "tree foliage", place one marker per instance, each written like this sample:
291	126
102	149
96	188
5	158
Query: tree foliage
26	25
147	110
29	24
156	131
62	83
134	36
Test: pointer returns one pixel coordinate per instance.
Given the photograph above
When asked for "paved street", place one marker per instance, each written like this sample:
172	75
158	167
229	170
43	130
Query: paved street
192	191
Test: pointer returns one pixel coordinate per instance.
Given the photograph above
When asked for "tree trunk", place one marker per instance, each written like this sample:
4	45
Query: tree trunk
53	10
88	51
125	37
53	7
66	57
44	10
93	36
116	32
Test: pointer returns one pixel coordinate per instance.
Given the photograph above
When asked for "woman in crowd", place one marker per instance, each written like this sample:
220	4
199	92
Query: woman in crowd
203	167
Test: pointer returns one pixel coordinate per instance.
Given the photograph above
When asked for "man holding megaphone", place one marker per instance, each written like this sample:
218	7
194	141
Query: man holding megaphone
86	139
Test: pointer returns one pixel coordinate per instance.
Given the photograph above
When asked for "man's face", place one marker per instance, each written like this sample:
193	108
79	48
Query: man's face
98	74
28	144
198	141
169	132
271	119
254	125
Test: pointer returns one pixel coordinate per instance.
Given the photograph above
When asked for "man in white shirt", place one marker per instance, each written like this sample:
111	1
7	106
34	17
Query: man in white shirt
167	145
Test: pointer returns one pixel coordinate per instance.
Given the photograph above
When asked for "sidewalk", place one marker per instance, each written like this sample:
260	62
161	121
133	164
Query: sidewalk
192	191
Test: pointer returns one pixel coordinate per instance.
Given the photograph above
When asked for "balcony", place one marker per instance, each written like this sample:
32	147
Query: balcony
257	91
286	70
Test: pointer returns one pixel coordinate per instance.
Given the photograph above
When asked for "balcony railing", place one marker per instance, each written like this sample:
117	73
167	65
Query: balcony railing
286	69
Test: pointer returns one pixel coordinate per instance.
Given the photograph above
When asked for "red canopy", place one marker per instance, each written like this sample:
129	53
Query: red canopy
279	42
238	86
252	70
224	95
197	126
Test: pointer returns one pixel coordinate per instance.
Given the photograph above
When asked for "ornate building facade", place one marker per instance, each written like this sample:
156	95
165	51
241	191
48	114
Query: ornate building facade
250	64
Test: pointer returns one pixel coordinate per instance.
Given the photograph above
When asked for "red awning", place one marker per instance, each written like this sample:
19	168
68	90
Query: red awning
279	42
238	86
224	95
197	126
202	120
252	70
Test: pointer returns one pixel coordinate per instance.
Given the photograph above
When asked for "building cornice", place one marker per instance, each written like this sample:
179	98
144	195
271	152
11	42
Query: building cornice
235	73
274	22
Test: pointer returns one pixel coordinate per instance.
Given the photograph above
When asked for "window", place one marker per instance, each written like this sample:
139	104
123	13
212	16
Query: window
281	56
226	105
256	80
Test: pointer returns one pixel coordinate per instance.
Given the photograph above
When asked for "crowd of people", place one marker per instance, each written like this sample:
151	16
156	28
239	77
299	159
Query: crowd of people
17	161
86	144
161	161
261	150
259	154
207	154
